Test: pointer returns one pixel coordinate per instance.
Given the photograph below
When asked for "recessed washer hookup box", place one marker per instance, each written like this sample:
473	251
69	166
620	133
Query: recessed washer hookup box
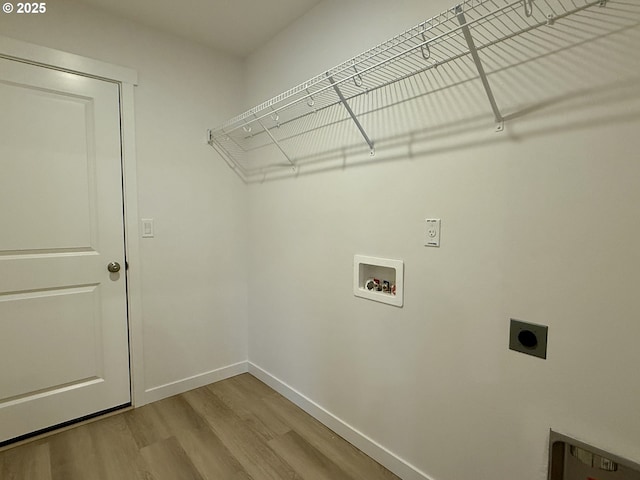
379	279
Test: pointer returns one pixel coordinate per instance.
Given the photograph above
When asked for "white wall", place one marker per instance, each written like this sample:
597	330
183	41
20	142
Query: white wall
194	293
539	223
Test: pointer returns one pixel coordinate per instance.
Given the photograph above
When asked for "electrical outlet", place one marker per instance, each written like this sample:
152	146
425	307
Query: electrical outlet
529	338
432	232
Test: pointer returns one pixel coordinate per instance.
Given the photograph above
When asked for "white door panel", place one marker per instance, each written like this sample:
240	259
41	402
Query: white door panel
42	320
63	319
63	146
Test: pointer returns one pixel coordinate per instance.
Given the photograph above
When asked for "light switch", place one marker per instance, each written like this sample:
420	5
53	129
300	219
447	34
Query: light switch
432	232
147	228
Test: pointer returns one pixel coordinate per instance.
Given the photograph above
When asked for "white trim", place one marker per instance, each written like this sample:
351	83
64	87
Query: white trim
59	60
196	381
369	446
132	245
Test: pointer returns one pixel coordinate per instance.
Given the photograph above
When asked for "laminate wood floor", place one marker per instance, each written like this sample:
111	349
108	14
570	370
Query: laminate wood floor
236	429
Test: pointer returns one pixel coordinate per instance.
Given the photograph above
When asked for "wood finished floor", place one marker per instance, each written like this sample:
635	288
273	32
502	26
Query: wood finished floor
237	429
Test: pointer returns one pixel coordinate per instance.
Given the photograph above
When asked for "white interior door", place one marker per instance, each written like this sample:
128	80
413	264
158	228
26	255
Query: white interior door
63	315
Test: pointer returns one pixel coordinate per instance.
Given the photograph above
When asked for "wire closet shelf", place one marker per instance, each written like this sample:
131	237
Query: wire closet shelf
276	129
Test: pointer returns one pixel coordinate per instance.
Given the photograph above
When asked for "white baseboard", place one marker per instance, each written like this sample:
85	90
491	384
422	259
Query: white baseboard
196	381
382	455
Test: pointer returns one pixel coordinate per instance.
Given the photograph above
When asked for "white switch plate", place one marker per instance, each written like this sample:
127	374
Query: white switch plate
147	227
432	232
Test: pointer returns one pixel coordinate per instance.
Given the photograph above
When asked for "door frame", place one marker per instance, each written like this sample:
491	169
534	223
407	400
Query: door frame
127	79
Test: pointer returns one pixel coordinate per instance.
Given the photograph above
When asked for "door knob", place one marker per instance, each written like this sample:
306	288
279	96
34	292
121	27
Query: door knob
113	267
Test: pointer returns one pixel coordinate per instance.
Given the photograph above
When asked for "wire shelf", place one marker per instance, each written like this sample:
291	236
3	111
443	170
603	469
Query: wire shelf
452	48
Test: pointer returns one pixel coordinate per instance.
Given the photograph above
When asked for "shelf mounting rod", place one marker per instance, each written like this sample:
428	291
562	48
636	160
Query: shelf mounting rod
275	142
353	115
483	76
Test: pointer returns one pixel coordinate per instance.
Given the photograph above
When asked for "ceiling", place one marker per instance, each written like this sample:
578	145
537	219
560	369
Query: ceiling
236	27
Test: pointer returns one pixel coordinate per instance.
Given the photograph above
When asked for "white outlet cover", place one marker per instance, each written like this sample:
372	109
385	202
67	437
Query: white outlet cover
432	232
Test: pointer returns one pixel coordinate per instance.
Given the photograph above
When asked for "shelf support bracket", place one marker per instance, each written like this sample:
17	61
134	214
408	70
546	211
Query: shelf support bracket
275	142
483	76
353	115
226	157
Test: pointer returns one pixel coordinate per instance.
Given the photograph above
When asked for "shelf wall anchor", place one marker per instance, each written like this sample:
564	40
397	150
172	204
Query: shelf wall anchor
275	117
357	80
483	76
353	115
310	101
528	7
424	48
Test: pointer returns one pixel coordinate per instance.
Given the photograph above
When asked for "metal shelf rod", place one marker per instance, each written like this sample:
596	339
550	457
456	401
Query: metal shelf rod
393	73
415	47
377	65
